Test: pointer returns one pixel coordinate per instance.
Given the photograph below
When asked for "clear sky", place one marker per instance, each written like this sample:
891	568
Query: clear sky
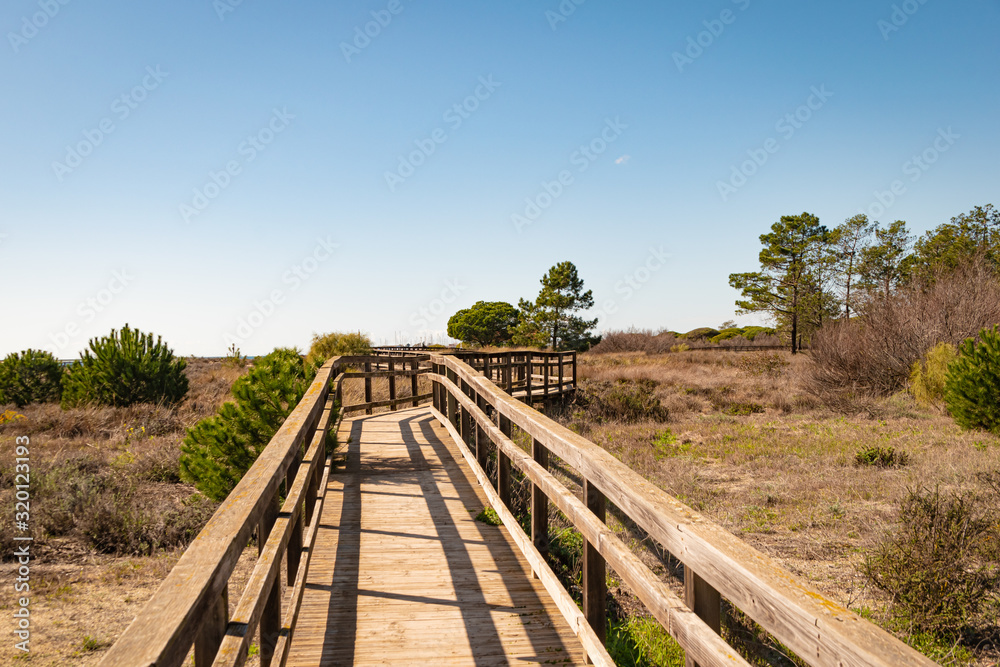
264	170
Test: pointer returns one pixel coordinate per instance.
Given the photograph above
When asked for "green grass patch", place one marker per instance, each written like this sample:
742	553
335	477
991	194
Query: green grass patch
643	642
489	517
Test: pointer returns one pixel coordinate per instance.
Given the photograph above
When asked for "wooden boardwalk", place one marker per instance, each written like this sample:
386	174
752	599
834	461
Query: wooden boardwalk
403	574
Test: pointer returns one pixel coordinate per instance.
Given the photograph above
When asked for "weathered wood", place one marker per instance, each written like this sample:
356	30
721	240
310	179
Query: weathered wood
270	618
414	381
165	628
539	502
384	404
404	574
392	382
595	581
689	630
814	627
391	374
596	652
705	602
213	629
294	599
368	386
503	466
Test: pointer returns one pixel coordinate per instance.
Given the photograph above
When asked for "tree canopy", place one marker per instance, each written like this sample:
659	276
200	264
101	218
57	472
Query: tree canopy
786	286
485	323
552	320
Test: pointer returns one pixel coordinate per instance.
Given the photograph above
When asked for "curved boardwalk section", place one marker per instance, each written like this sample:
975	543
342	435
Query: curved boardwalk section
402	573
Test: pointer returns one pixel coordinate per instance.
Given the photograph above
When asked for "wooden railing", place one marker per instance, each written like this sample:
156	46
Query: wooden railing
191	607
716	564
522	373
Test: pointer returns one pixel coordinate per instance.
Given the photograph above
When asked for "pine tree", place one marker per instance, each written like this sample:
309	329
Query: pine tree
125	368
786	287
31	376
972	387
219	450
551	319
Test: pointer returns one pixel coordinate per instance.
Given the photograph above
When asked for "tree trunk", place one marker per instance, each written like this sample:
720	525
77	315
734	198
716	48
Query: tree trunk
795	320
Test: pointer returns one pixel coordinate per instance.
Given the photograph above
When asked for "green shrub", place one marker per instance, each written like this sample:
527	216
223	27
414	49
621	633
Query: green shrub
31	376
682	347
702	332
489	516
234	358
742	408
624	400
125	368
219	450
641	641
726	334
972	387
928	376
881	457
750	333
940	566
335	344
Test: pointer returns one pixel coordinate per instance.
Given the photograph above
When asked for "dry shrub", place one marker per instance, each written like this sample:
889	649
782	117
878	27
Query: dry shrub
635	340
941	566
873	355
624	400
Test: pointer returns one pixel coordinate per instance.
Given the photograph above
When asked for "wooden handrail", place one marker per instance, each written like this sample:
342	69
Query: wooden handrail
191	605
818	630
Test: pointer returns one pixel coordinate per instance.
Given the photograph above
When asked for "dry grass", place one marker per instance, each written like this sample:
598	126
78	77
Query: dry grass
784	479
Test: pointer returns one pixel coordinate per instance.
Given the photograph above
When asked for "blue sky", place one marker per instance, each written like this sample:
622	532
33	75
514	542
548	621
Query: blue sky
260	171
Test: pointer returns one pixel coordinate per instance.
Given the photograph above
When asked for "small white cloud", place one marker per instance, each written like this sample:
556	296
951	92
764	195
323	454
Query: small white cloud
623	159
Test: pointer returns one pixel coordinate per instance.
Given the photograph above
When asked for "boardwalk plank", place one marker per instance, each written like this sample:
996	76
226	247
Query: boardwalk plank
403	574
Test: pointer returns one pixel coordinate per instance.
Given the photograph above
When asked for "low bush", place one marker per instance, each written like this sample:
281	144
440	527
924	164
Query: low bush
881	457
31	376
972	386
940	567
702	332
622	400
219	450
927	378
125	368
336	344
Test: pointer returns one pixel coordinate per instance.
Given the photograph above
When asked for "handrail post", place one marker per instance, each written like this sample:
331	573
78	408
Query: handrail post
392	384
545	379
414	382
486	366
270	620
574	370
539	502
595	583
704	601
503	466
510	373
293	552
466	419
562	368
368	387
452	401
482	437
212	630
528	359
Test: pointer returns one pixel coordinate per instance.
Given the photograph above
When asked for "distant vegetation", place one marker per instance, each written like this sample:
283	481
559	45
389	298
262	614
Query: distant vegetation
551	320
325	346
